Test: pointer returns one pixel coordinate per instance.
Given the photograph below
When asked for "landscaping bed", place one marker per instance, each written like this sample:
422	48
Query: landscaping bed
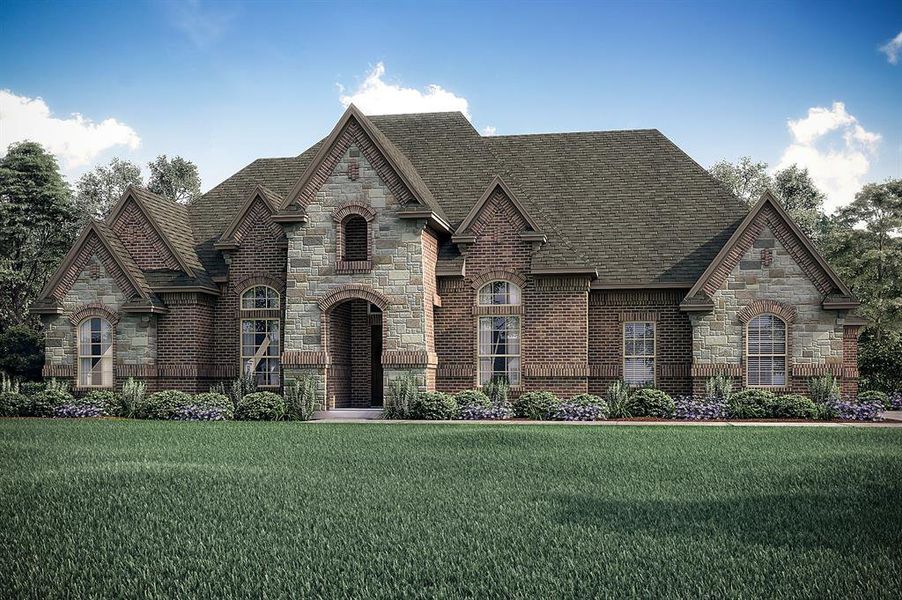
124	508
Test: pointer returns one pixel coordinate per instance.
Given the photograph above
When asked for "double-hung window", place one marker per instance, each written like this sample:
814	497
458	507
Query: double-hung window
499	334
766	351
639	352
260	335
95	353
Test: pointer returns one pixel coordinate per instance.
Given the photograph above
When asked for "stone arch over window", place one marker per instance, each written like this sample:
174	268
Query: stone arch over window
354	238
786	312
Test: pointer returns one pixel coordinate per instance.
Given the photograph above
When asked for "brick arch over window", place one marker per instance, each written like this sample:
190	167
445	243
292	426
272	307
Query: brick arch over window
489	276
354	238
786	312
353	291
247	283
93	310
353	208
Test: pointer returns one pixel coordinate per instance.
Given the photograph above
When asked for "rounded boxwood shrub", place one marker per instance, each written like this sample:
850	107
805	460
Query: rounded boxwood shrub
472	398
13	404
535	405
30	388
162	405
260	406
873	396
649	402
434	406
750	404
106	401
212	402
587	400
792	406
44	404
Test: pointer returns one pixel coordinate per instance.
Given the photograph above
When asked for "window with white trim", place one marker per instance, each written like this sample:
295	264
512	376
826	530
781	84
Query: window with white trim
766	351
639	352
499	335
95	353
260	297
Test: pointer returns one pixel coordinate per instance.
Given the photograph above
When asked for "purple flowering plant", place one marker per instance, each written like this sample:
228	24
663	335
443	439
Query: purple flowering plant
76	411
691	408
195	412
498	411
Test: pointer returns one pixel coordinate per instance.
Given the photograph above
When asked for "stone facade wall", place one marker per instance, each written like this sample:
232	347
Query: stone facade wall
135	335
815	337
397	273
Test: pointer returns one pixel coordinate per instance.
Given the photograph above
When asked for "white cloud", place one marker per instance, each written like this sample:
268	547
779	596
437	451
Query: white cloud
377	97
76	141
489	130
893	49
836	150
204	23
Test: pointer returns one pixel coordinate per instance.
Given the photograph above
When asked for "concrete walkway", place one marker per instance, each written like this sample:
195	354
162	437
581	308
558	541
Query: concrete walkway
346	417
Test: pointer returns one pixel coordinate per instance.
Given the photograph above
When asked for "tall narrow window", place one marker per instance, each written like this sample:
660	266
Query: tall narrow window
639	352
766	352
499	335
260	339
95	353
355	238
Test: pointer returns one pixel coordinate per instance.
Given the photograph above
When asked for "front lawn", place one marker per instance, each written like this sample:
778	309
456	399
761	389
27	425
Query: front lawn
145	508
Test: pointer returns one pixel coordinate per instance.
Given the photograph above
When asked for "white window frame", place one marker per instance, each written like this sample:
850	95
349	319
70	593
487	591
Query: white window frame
246	360
653	356
105	356
784	355
250	294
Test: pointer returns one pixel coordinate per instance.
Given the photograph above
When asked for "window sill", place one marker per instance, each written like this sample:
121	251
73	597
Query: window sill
353	266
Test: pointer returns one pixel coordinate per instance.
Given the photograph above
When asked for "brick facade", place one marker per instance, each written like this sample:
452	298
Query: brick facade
373	286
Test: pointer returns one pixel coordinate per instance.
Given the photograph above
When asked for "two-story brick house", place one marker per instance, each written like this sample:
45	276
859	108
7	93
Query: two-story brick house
411	244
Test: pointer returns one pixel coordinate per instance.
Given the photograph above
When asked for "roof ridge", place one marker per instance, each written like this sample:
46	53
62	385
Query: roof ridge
582	132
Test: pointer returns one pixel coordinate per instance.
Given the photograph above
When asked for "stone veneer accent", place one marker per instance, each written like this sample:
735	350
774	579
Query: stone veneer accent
815	335
95	292
397	273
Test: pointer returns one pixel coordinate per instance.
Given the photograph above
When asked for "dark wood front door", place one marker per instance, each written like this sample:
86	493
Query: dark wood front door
376	365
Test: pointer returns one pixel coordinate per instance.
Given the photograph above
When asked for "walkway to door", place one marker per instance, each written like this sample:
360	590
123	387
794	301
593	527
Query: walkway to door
355	345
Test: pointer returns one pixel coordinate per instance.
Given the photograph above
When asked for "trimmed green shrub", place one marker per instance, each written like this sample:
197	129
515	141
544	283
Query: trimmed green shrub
750	404
618	398
213	400
472	398
30	388
535	405
649	402
162	405
823	389
824	411
873	396
13	404
435	406
260	406
43	404
133	391
301	398
107	401
402	395
591	400
792	406
497	389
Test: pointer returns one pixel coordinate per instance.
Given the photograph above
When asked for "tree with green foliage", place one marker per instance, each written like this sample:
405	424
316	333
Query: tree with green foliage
21	352
99	189
176	178
865	246
793	187
37	226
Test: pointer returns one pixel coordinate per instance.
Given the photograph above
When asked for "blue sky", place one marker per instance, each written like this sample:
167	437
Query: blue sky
224	83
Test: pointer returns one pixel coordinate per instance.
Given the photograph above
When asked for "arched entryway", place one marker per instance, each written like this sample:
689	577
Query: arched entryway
354	344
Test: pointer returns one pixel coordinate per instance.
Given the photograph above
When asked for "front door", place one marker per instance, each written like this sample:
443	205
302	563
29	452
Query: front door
376	364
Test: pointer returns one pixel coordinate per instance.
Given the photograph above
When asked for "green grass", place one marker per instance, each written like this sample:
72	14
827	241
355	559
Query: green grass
138	508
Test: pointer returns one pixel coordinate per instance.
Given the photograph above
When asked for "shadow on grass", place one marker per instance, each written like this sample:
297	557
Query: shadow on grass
844	519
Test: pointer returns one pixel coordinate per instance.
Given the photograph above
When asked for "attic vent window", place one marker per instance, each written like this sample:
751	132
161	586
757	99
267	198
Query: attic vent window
354	234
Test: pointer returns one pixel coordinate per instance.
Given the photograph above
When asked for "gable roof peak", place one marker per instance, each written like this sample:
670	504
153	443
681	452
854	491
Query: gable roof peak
496	183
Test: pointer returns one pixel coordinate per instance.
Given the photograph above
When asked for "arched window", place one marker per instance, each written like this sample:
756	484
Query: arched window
260	335
355	238
766	351
499	334
95	353
260	297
